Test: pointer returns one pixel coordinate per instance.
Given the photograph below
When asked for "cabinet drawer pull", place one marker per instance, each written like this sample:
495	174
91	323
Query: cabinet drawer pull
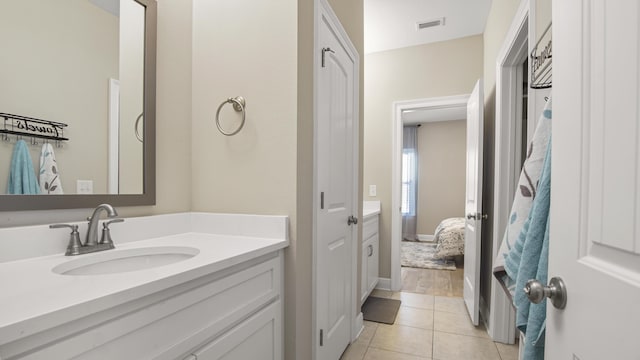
370	247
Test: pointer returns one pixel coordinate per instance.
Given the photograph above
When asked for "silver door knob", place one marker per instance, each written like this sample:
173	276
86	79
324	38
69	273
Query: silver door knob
477	216
352	220
556	292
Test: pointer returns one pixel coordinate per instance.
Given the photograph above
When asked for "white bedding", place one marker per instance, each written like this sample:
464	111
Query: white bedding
449	236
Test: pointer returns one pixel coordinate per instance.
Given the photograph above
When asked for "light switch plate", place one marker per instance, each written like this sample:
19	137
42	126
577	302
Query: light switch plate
84	187
372	190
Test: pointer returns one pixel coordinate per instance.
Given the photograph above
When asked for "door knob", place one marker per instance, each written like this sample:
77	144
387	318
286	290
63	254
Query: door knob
556	291
477	216
352	220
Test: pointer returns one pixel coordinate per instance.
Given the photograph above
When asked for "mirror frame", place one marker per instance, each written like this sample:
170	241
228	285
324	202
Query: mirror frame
148	197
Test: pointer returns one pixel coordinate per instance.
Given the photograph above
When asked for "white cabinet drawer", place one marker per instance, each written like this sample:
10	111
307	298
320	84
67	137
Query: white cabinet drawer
255	338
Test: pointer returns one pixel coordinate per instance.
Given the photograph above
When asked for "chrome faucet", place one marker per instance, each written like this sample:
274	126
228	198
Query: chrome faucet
91	243
92	231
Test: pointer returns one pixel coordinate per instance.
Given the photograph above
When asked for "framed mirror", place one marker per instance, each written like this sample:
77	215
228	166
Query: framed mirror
77	97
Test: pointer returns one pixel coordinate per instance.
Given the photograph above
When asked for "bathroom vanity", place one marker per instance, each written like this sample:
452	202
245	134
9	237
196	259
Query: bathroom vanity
179	286
370	246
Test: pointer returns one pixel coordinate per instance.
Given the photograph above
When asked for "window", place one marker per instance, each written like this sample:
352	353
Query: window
409	165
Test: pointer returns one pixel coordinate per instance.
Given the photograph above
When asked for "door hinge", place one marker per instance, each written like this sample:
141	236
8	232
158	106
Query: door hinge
321	337
325	50
322	200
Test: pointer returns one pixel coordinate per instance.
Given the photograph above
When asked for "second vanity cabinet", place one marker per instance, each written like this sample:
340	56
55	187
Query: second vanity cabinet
370	256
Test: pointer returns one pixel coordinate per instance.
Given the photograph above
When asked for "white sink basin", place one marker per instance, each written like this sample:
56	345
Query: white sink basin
119	261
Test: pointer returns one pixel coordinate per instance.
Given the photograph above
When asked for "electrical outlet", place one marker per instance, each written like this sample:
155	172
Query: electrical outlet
372	190
84	187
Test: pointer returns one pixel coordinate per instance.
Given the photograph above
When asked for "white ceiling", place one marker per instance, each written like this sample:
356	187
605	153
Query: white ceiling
391	24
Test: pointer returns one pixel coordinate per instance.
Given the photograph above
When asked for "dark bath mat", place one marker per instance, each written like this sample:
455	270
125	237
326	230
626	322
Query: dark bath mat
380	310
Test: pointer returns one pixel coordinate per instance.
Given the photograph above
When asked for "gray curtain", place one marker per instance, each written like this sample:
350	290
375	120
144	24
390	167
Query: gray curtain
409	182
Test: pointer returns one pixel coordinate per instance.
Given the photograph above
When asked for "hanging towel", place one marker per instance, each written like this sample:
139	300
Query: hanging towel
49	177
528	259
524	196
22	178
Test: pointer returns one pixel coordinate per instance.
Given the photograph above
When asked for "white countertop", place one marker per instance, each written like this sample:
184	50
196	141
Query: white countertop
33	298
370	208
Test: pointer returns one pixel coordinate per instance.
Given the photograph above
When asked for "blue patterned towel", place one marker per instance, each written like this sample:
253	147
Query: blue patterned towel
525	194
528	259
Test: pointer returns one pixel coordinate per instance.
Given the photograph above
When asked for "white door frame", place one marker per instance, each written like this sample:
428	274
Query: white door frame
322	9
501	317
447	102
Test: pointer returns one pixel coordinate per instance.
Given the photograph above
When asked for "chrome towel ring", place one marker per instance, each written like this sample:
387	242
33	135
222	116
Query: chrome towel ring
239	105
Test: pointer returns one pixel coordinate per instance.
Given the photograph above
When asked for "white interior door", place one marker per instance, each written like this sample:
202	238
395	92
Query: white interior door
473	207
335	174
594	243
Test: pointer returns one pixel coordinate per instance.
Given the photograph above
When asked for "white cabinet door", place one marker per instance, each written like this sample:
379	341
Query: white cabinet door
255	338
372	268
594	242
364	282
473	207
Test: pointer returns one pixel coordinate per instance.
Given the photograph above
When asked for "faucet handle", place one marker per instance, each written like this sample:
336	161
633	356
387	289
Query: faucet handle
73	248
107	223
59	226
106	232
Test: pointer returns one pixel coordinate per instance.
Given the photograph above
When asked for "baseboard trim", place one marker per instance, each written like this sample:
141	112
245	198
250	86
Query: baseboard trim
384	284
427	238
359	326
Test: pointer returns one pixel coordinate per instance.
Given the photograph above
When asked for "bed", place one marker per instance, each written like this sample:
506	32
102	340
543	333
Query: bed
449	237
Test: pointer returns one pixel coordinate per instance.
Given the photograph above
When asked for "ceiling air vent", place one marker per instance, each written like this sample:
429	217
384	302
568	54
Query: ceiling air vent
429	23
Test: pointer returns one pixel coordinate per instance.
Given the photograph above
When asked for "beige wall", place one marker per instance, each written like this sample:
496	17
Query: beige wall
60	73
500	18
433	70
441	172
255	170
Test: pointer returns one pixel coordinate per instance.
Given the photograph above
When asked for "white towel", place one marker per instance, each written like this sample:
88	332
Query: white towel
49	177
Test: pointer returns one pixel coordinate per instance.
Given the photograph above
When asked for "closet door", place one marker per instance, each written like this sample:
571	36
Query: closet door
594	243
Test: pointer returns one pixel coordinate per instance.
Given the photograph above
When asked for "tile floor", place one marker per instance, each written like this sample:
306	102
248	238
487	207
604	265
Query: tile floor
432	323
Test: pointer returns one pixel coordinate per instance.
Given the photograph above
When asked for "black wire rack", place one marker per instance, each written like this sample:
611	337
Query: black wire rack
541	62
23	126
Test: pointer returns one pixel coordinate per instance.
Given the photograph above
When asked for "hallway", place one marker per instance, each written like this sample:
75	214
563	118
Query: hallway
432	323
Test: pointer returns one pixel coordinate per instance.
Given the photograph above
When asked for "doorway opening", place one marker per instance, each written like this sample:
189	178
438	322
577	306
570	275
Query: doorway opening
407	113
513	130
